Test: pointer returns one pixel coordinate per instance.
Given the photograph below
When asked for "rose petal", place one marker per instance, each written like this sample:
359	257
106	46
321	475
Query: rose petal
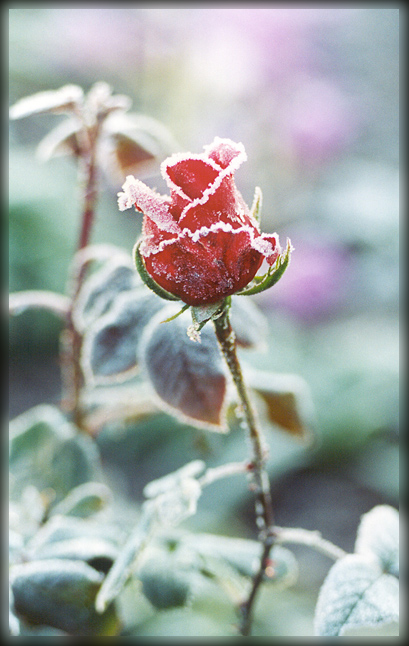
226	153
227	262
193	176
154	206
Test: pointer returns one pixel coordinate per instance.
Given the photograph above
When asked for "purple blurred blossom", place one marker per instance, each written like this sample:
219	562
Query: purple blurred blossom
315	285
319	122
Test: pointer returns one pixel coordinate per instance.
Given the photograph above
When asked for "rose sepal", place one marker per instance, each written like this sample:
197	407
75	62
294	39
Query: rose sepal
147	279
255	210
273	275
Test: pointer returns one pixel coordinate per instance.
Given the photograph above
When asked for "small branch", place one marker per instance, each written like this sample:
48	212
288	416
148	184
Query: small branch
260	482
223	471
311	539
71	340
39	299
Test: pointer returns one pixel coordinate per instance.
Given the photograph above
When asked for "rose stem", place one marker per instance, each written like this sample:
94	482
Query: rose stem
261	484
71	340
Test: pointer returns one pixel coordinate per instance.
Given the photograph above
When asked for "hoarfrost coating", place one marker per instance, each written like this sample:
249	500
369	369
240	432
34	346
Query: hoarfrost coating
202	243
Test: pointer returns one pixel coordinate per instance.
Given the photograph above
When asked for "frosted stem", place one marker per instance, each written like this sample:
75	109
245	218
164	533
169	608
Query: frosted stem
71	340
312	539
260	482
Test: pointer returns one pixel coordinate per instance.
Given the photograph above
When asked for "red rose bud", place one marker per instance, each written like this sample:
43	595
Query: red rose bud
201	244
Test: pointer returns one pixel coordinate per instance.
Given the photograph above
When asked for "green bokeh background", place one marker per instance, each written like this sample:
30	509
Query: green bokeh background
313	95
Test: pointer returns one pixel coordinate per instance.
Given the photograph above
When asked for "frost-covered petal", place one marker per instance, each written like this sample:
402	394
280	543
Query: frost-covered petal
189	176
154	206
206	180
203	243
227	153
227	260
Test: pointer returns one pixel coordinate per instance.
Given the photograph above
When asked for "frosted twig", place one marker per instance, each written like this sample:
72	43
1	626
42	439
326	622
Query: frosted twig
309	538
223	471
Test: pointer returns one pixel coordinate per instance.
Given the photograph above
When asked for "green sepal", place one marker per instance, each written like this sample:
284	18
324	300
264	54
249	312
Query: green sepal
255	210
203	313
172	318
260	283
147	279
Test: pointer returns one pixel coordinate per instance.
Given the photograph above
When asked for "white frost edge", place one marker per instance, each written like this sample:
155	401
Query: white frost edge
135	191
258	243
222	172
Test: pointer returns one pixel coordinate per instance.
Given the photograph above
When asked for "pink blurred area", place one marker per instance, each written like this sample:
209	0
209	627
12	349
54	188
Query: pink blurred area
316	285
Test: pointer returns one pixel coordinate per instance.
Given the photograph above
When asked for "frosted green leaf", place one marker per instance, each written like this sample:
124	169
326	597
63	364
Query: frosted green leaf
248	322
61	528
61	140
63	100
164	582
122	567
188	378
378	534
273	275
243	555
203	313
99	292
59	593
97	552
109	351
172	480
287	399
257	204
172	507
84	500
355	594
46	451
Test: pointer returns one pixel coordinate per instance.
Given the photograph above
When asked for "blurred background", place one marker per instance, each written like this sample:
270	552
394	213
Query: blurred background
313	94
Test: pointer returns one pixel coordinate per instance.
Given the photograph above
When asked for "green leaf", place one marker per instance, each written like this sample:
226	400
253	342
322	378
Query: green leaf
243	555
84	501
272	276
182	622
189	378
61	593
121	569
378	534
97	552
101	289
248	322
203	313
109	351
147	279
257	204
164	583
287	399
64	528
138	144
46	451
356	593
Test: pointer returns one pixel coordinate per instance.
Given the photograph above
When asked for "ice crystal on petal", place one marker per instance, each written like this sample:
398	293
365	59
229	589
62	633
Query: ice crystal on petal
202	243
136	193
193	332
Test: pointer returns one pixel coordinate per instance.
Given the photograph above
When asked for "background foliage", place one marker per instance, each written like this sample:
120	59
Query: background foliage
313	95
